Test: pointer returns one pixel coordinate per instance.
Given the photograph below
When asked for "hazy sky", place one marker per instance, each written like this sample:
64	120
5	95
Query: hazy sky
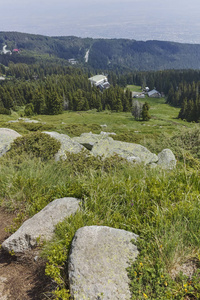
175	20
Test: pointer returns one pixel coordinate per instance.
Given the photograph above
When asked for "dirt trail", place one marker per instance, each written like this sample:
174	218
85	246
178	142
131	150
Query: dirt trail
21	278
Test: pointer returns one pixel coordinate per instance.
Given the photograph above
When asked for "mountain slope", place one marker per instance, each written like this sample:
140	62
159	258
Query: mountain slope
103	53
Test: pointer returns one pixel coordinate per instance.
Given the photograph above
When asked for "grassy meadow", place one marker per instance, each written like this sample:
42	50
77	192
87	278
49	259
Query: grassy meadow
162	207
163	119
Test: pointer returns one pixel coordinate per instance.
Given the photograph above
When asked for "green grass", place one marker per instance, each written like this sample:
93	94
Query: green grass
163	115
162	207
134	88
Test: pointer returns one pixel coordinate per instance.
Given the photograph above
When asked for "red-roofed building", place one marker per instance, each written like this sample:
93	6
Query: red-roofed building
15	50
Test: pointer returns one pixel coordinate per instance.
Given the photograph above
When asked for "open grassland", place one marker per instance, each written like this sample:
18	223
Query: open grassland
163	119
134	88
162	207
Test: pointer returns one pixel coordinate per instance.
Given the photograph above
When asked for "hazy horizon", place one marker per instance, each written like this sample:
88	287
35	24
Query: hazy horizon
172	20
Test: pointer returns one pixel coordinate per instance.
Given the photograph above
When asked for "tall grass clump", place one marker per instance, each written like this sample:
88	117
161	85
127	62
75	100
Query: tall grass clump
162	207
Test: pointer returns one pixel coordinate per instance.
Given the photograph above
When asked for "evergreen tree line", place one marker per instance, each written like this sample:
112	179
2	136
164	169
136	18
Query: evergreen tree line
187	96
50	88
181	88
57	92
38	71
161	80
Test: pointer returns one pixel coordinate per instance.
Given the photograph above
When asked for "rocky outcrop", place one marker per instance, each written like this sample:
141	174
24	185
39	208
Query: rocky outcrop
133	152
166	159
7	136
104	146
67	145
41	226
99	145
98	260
89	139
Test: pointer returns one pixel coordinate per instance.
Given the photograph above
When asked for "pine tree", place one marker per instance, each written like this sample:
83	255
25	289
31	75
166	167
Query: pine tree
145	112
54	103
117	104
29	109
39	102
183	111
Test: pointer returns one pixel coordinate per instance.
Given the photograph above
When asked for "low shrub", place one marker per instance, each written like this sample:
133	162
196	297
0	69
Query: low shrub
36	144
78	129
38	127
132	137
5	111
29	109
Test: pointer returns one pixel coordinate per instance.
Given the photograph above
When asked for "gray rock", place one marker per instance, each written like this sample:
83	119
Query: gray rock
27	120
166	159
67	145
7	136
134	159
107	133
153	165
108	147
31	121
98	260
13	121
89	139
41	226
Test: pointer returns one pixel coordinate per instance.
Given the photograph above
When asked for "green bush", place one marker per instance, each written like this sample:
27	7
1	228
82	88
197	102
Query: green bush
5	111
29	110
36	144
78	129
38	127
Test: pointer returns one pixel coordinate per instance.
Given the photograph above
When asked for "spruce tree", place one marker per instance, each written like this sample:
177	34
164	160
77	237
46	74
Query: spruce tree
145	112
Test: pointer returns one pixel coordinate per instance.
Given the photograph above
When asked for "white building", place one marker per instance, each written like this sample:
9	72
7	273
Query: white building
100	81
72	61
154	94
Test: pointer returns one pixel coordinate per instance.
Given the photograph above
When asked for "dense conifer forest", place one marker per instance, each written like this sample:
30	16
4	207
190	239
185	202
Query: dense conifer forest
48	88
111	54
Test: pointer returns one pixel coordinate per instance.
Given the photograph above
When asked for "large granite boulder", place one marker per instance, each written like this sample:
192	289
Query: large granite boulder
67	145
89	139
132	152
166	159
7	136
98	261
41	226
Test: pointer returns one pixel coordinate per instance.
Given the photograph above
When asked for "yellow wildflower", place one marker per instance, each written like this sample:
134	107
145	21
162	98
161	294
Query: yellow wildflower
145	296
